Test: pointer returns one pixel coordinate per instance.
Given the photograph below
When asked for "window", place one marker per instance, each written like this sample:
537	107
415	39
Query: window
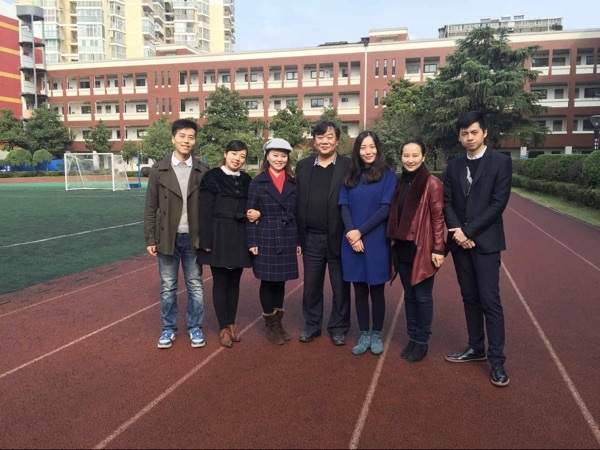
542	93
141	133
376	67
559	93
385	67
118	133
539	61
430	68
276	76
313	74
291	75
86	109
587	125
316	103
169	78
117	109
182	78
99	109
226	78
85	133
345	72
108	109
413	66
344	99
97	82
593	92
253	77
557	125
394	67
140	108
277	104
182	105
251	104
140	82
155	79
291	102
376	98
559	60
84	84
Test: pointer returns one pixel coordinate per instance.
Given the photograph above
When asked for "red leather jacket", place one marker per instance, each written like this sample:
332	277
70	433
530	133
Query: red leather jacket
426	230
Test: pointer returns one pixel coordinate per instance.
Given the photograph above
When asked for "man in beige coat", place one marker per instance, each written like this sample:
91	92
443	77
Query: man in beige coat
171	231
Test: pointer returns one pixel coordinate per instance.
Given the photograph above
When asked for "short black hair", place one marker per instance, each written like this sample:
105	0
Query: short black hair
468	119
182	124
322	126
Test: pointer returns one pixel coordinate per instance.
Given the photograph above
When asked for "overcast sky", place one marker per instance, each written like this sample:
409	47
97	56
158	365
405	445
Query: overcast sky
278	24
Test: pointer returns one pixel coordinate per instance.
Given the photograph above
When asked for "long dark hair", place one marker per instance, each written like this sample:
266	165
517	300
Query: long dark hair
234	146
265	164
377	169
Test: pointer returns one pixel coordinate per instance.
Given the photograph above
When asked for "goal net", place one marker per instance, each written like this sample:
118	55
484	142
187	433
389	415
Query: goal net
95	171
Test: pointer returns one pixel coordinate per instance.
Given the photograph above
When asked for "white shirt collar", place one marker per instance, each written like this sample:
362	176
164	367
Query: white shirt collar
229	172
175	161
478	156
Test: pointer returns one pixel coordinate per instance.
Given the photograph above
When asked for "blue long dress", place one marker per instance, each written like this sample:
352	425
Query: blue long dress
372	266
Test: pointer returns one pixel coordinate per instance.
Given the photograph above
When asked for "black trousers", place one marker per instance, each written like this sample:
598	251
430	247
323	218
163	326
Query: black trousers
271	295
479	279
226	293
317	259
361	301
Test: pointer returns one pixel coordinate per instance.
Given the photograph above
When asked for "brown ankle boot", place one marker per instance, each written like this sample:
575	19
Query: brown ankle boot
279	312
225	338
234	332
272	328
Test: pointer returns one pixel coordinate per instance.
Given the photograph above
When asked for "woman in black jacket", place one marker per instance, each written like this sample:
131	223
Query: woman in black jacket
223	243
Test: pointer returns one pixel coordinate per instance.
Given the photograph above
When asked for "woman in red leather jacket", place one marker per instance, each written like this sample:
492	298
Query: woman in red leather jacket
416	228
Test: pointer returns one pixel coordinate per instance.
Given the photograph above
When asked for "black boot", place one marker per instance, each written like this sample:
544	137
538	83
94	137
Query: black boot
418	353
408	349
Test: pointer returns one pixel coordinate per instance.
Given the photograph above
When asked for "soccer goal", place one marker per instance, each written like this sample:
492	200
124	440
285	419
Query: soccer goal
95	171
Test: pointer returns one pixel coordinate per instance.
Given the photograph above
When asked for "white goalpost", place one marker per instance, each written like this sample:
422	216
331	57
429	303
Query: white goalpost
95	171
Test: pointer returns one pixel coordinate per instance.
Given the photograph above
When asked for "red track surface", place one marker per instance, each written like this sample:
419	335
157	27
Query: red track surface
79	365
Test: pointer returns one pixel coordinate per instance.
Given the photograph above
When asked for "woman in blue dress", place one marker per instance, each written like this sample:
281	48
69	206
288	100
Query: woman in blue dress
365	200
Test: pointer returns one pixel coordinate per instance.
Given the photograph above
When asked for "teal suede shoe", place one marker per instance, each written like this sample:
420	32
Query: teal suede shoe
364	342
376	343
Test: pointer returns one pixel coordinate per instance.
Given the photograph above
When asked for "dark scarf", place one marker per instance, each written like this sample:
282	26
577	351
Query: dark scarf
398	229
220	183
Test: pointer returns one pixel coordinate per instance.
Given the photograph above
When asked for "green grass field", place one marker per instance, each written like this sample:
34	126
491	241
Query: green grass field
47	232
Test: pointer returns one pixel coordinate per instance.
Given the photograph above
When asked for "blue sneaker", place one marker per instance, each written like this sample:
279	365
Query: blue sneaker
364	343
166	339
376	343
197	337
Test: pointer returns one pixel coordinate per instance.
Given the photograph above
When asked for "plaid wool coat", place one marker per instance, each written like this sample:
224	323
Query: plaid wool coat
275	234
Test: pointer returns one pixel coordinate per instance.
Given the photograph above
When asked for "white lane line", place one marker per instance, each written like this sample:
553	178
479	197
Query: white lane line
556	240
82	338
362	418
75	291
56	350
587	415
146	409
70	235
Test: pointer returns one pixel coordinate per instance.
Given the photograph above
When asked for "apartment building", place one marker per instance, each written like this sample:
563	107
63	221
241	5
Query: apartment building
10	60
514	24
97	30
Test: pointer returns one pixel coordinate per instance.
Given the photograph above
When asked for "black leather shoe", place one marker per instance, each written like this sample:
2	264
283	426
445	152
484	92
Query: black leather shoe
338	339
499	377
418	352
467	355
308	336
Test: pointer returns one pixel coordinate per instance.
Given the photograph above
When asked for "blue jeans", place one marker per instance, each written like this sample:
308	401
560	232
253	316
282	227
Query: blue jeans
168	268
418	303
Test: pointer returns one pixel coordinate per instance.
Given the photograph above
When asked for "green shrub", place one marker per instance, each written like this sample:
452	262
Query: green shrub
568	191
576	170
591	170
550	170
565	163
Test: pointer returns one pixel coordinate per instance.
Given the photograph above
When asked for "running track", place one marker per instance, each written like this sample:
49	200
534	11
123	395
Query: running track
79	367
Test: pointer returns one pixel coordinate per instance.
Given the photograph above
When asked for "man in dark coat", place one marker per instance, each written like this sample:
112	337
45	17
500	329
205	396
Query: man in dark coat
171	231
476	192
321	230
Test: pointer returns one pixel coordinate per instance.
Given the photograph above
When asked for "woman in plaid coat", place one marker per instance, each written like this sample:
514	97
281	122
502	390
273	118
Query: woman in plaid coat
273	238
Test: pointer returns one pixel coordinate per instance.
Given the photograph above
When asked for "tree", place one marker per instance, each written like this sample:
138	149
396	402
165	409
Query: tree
130	150
487	75
400	120
290	124
42	156
19	157
344	143
12	131
227	118
157	143
98	139
45	130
